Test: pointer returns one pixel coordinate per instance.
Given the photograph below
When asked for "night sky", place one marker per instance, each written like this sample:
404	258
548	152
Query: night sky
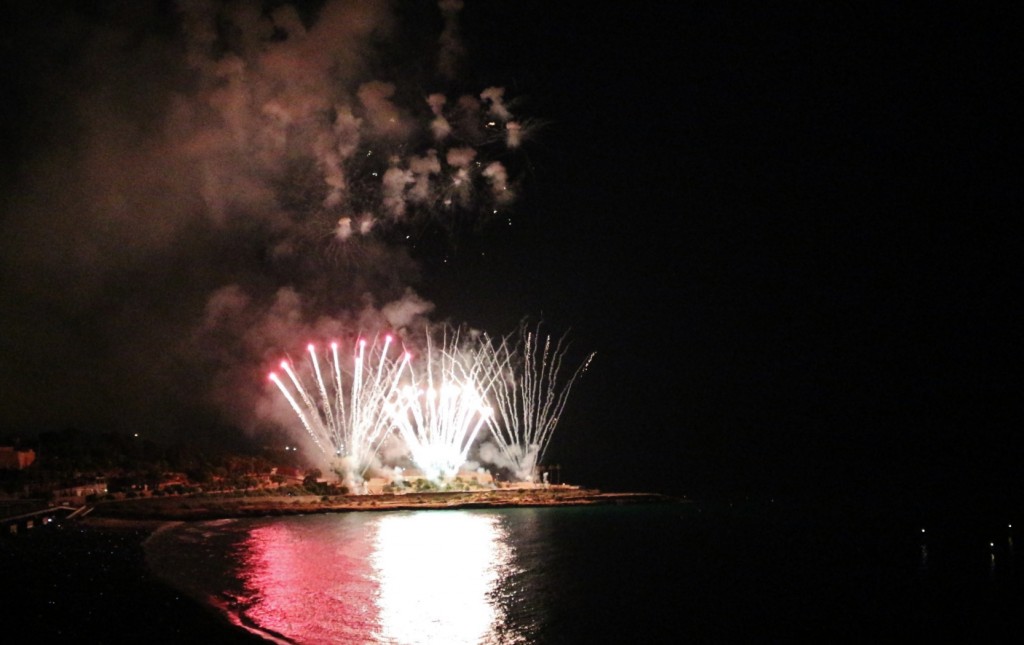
786	231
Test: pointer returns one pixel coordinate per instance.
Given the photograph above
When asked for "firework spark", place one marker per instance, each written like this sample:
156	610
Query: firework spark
440	414
529	390
345	412
459	390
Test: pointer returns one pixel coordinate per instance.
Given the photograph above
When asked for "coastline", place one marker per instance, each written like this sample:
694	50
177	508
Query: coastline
210	507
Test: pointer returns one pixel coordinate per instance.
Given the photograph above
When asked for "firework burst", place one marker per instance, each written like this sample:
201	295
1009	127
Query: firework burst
441	412
507	393
343	405
529	388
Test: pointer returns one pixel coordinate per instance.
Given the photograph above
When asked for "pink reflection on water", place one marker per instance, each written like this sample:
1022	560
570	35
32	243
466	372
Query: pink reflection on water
419	577
311	582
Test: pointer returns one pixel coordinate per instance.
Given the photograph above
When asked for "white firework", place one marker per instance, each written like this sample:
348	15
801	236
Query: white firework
345	411
441	411
529	390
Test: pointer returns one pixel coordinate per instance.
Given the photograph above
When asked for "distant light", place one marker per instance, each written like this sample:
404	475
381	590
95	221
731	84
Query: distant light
922	530
136	434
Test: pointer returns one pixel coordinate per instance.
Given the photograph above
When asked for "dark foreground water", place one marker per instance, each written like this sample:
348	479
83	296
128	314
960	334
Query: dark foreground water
635	573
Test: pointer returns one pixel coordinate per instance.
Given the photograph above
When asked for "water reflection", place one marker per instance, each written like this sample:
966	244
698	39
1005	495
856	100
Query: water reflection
311	582
412	577
438	575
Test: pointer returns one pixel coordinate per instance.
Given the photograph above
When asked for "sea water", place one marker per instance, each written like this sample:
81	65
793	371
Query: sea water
664	572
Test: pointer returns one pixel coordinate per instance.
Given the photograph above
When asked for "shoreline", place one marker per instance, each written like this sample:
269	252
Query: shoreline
200	508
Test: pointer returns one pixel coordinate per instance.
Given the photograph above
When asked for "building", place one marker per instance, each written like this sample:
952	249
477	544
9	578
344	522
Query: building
12	458
78	494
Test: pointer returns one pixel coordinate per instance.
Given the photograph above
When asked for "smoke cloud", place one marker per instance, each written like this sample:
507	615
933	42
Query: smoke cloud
198	187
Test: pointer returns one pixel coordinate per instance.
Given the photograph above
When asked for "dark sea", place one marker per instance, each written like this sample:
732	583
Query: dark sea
655	573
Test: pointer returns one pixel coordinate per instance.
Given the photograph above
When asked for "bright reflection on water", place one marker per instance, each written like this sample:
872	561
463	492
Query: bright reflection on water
416	577
438	573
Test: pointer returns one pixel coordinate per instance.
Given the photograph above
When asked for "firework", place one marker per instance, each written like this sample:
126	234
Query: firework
345	411
440	413
529	389
513	389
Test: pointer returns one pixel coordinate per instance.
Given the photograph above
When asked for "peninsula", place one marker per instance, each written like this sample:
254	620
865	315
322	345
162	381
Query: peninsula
208	507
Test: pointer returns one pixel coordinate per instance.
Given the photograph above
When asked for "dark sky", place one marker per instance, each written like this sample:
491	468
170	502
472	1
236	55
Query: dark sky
786	230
